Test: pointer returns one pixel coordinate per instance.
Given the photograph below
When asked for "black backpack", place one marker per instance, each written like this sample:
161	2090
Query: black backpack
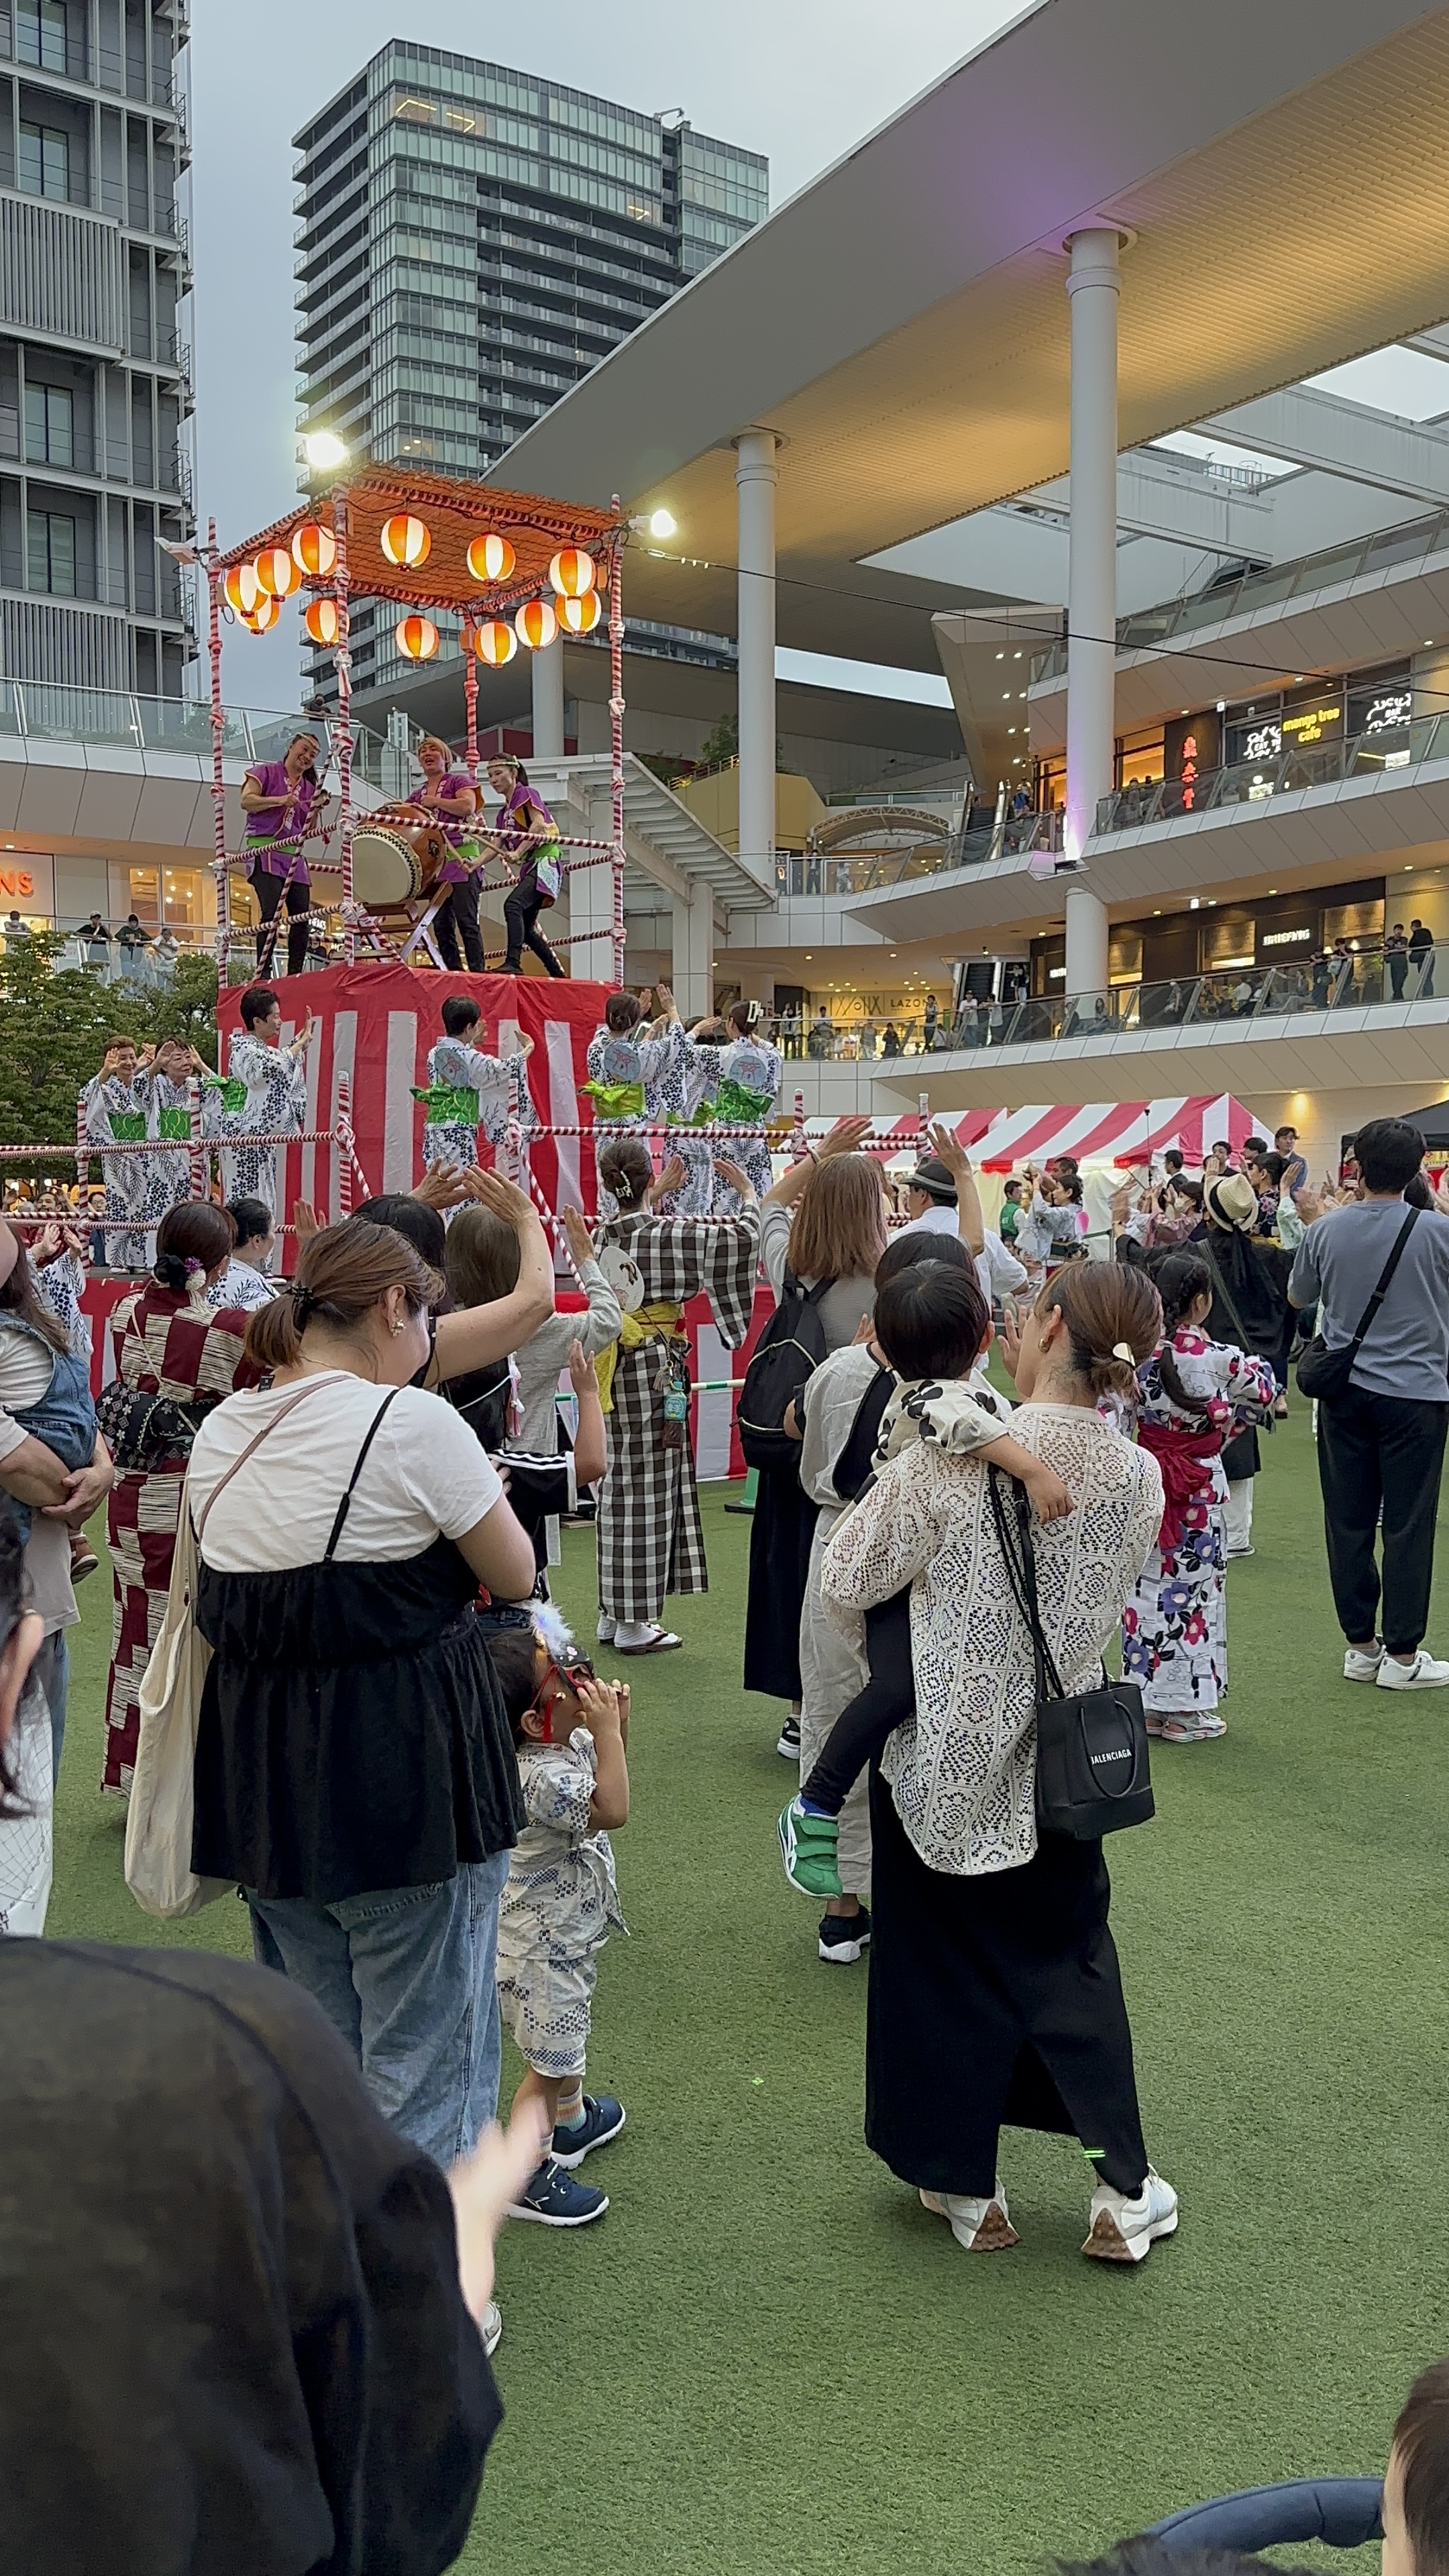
789	1350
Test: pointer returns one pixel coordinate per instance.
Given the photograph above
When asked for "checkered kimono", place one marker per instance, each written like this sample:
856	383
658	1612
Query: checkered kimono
164	1343
650	1539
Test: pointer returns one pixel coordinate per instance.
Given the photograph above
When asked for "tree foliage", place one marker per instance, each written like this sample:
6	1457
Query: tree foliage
56	1023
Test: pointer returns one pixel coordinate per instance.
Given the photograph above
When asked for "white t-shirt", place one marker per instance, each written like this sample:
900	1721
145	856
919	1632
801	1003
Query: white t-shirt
423	1474
936	1219
998	1272
26	1368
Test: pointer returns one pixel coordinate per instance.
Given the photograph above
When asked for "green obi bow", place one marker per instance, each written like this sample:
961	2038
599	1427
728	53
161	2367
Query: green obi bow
616	1099
128	1126
739	1107
448	1106
233	1091
176	1123
704	1116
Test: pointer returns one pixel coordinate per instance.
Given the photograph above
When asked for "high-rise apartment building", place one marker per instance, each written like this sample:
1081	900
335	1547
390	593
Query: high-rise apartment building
471	240
94	369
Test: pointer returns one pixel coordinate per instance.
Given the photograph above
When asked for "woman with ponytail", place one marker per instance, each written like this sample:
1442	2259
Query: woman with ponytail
1194	1394
170	1345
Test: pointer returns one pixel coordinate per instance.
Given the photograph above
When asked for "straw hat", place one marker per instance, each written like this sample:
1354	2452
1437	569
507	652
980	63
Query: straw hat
1233	1201
933	1179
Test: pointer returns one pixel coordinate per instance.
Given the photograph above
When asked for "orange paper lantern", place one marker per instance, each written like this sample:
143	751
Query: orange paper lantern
240	588
572	572
277	575
495	642
264	613
314	549
491	558
536	624
322	621
417	637
406	540
579	616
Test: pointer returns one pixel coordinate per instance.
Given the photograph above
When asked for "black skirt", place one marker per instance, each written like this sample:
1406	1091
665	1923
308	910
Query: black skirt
993	2002
352	1735
780	1534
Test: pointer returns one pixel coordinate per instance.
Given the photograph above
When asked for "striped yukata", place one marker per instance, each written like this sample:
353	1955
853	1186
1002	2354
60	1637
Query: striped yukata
650	1539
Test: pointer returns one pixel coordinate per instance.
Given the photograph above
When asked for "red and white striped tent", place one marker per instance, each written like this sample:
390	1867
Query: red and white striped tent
1119	1133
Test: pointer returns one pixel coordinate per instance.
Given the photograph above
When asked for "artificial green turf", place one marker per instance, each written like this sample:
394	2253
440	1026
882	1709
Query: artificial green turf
767	2357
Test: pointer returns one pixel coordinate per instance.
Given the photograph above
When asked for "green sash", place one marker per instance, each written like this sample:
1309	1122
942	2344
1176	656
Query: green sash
616	1099
176	1123
128	1126
447	1105
739	1107
232	1088
704	1116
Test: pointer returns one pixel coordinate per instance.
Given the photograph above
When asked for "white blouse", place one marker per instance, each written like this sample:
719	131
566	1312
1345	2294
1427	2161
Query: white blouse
962	1772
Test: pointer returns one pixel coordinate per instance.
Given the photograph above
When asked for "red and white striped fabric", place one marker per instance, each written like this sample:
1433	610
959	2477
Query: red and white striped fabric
376	1024
1122	1132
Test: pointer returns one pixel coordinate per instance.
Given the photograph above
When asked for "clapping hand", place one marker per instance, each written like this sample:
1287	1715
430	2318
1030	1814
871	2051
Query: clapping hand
673	1177
484	2185
304	1220
505	1198
845	1137
442	1186
1008	1339
735	1177
581	1370
949	1148
577	1236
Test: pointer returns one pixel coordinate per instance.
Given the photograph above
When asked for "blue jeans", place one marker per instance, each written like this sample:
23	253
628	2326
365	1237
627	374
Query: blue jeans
52	1671
407	1977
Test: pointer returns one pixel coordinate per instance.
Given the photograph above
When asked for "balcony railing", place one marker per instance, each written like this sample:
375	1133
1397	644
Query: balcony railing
32	711
1367	978
862	871
1253	782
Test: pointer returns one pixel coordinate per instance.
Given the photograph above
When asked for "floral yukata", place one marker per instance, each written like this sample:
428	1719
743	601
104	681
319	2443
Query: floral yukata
633	1083
1174	1628
265	1094
750	1074
699	1091
470	1099
140	1188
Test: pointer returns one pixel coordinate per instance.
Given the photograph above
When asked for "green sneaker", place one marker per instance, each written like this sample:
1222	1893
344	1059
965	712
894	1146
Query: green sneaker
809	1845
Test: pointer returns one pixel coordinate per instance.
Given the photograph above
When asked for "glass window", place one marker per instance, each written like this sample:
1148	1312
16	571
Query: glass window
49	425
181	895
143	888
40	33
52	552
44	162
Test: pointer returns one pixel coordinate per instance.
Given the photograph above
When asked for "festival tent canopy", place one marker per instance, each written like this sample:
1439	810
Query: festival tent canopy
1119	1132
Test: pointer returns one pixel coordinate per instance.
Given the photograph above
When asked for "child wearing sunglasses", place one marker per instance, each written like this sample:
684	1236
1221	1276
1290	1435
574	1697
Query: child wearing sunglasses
561	1902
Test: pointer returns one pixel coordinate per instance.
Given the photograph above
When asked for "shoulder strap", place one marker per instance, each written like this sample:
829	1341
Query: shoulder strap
1382	1290
1223	1290
1016	1548
343	1507
267	1428
790	1286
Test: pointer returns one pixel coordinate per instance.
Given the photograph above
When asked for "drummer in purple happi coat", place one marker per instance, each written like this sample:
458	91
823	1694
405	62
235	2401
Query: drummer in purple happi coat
277	799
449	793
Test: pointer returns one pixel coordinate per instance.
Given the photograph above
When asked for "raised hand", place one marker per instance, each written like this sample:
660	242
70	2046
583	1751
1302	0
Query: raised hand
673	1177
581	1369
505	1198
304	1220
442	1186
577	1236
736	1177
844	1138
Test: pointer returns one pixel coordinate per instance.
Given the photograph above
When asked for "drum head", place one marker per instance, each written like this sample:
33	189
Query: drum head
385	868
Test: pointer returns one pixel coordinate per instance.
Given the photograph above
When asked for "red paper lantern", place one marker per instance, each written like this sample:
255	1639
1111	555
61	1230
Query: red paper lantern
264	613
417	637
322	621
495	642
579	616
276	573
536	624
572	572
406	541
314	549
491	558
240	588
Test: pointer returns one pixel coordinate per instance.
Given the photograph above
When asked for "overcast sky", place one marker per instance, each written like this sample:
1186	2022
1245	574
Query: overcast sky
799	80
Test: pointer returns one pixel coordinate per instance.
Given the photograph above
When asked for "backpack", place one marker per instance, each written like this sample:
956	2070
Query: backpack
789	1350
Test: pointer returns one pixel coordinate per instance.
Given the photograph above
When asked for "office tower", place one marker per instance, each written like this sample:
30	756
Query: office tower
471	241
94	369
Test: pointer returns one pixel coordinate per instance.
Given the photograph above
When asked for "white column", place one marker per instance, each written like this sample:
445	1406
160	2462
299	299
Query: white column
692	980
756	475
1094	288
548	702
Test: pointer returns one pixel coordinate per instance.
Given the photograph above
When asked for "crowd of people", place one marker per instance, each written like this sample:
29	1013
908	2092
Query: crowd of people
344	1488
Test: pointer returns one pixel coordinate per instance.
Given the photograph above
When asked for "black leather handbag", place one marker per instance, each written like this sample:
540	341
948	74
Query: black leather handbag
1326	1373
1093	1772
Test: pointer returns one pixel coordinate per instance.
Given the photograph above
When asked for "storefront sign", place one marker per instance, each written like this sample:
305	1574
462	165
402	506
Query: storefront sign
1321	723
1388	713
1282	938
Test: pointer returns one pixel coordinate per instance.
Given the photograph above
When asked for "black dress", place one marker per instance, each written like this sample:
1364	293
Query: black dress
780	1535
1255	1314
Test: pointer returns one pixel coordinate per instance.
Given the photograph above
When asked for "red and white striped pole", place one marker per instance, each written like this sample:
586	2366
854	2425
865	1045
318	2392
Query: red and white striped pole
923	1103
349	1166
799	1142
470	696
616	737
218	774
200	1159
82	1145
343	730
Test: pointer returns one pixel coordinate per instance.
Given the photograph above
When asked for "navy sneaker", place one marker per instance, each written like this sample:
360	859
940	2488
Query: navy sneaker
556	2200
603	2119
844	1936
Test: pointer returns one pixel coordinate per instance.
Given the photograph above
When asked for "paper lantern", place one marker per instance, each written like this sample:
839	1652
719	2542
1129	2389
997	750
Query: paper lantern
406	541
264	612
417	637
579	616
314	549
240	588
321	620
495	642
536	624
572	572
277	575
491	558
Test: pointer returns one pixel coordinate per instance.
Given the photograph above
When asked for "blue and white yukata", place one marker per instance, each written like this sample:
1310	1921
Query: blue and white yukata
558	1908
170	1118
137	1185
633	1082
272	1101
751	1072
470	1098
699	1088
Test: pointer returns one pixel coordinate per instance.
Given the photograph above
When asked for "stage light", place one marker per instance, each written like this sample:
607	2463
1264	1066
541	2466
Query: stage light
662	524
324	449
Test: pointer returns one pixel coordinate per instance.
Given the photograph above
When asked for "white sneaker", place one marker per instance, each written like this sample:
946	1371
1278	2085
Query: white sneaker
982	2226
1123	2230
1424	1673
490	2327
1362	1664
605	1630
